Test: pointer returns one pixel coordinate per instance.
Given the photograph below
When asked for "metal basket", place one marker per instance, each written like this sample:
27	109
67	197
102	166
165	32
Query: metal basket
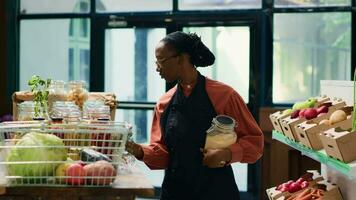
82	154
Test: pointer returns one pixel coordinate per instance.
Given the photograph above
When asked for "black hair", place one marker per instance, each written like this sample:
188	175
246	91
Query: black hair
190	43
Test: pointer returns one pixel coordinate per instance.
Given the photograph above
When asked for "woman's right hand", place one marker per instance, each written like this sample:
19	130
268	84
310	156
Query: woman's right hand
134	149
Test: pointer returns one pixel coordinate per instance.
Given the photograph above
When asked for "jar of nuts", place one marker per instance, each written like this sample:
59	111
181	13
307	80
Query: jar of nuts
77	93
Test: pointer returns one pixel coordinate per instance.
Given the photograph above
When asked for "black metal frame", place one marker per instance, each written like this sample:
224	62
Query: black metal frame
261	65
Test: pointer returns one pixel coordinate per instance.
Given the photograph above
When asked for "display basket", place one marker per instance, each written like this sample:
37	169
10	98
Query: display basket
82	154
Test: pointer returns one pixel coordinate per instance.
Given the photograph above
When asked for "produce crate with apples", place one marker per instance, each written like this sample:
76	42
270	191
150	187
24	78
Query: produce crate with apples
340	143
308	131
279	115
36	156
291	187
303	112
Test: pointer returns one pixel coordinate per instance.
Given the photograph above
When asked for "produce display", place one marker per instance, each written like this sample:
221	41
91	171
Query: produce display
36	155
308	187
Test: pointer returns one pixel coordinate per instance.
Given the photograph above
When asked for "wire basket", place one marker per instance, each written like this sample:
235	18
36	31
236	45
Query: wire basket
83	154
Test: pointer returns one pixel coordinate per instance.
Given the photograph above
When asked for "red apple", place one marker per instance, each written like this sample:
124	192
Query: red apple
279	187
294	187
304	184
301	113
76	173
327	104
284	189
322	109
310	113
300	180
295	114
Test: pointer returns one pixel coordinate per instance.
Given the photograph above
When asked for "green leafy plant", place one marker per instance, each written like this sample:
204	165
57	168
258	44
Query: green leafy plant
39	88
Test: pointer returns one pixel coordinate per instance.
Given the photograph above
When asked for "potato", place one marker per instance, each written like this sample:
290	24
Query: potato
325	121
337	116
101	169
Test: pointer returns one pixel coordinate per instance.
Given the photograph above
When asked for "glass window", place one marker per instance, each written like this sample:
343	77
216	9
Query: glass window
48	50
141	121
231	47
307	48
133	5
311	3
54	6
218	4
130	70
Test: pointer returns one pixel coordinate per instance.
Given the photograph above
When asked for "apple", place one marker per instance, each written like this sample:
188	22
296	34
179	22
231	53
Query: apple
300	180
310	113
301	113
321	114
295	114
284	189
304	184
279	187
294	187
327	104
100	173
76	173
61	171
322	109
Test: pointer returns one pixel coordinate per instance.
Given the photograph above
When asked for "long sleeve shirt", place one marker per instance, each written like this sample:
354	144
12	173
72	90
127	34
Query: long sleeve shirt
249	145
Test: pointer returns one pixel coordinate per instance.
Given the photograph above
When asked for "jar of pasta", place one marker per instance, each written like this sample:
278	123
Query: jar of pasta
221	134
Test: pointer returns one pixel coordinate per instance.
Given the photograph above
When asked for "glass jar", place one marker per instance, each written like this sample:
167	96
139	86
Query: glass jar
101	113
58	112
26	111
78	93
90	107
221	134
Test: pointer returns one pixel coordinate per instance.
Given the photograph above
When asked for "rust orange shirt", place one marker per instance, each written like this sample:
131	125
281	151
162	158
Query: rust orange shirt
249	145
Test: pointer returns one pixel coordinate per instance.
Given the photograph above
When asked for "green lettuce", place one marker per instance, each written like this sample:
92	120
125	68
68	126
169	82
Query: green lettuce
43	152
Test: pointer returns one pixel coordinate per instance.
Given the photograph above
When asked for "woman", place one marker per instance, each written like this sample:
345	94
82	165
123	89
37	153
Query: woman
182	116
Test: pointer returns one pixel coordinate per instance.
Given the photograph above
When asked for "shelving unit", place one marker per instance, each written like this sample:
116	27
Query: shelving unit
348	169
335	171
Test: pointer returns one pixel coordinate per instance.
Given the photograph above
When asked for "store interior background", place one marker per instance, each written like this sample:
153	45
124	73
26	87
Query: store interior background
273	52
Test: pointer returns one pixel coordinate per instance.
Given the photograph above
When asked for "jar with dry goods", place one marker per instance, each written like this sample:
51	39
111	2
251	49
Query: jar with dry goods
78	93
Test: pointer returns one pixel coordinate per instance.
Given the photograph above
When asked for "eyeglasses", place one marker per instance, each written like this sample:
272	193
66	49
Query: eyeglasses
163	60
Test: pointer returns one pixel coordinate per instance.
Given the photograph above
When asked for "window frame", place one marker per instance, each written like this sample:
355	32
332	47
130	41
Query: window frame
278	10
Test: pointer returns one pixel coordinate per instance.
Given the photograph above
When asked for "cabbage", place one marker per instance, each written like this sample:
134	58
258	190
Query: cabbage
40	153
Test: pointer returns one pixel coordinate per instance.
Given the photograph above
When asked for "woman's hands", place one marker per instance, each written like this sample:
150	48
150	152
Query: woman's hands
214	158
134	149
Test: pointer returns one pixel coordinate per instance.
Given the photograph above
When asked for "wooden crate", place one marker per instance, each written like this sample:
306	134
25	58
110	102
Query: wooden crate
108	98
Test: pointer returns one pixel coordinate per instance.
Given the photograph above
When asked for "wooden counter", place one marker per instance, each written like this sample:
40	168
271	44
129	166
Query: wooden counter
126	187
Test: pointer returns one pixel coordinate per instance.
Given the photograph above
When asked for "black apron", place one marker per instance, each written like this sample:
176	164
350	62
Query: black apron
184	123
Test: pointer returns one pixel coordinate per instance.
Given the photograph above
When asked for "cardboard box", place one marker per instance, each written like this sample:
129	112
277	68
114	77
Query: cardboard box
340	143
308	131
274	194
275	118
332	191
288	124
